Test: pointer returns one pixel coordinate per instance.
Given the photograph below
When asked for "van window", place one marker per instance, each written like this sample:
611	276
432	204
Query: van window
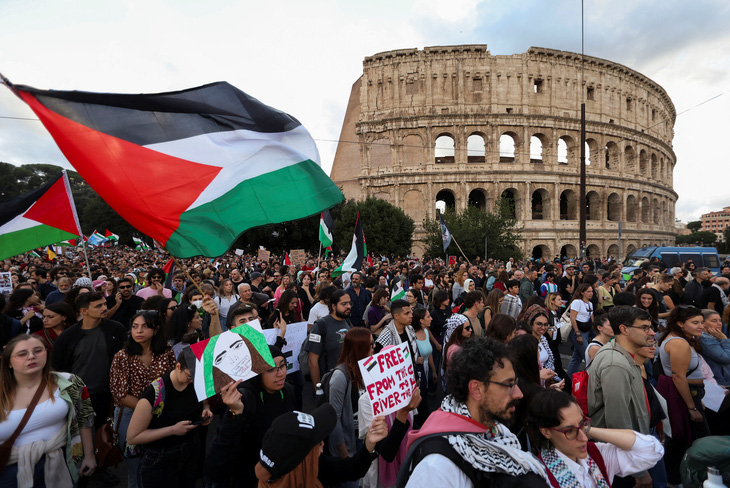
671	259
711	261
695	257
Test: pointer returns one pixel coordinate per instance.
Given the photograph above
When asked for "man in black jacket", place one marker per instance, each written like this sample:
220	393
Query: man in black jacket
87	348
695	288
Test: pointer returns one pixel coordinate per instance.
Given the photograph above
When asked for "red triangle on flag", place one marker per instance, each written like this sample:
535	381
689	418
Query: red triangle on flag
53	209
124	171
199	347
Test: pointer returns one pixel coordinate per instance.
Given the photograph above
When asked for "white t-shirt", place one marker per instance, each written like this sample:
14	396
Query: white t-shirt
318	311
585	310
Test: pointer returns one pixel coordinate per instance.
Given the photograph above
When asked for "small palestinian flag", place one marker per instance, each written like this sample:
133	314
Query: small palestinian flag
38	218
353	261
398	291
370	363
34	254
111	237
237	354
222	161
326	228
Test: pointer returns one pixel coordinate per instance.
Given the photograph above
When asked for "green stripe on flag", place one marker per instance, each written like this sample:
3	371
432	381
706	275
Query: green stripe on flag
289	193
20	241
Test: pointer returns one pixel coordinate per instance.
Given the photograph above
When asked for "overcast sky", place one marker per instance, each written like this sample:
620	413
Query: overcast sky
302	58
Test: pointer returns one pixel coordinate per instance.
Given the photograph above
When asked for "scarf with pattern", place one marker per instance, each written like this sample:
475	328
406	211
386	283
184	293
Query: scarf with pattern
496	451
563	474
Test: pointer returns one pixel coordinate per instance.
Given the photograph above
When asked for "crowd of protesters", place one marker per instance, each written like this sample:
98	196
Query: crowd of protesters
493	404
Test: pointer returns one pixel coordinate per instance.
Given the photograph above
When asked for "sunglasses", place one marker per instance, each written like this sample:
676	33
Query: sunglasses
174	307
469	328
125	287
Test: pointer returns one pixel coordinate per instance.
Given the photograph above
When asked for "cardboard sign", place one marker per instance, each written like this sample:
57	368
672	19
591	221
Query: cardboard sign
298	257
389	379
6	283
263	255
452	260
237	354
239	252
295	336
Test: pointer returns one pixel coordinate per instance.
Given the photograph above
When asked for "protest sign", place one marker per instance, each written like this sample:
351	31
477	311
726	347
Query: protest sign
263	255
298	257
295	335
6	283
239	252
452	260
237	354
389	379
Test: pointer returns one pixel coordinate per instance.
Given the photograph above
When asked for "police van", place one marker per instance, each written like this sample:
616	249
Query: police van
671	257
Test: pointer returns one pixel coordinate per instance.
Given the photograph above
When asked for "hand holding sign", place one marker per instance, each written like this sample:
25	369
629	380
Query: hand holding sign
389	379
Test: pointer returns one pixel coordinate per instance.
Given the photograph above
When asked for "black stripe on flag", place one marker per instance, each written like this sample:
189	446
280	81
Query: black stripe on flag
9	209
153	118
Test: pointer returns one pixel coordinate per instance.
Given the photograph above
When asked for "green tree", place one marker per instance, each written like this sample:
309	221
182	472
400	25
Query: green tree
277	238
388	230
695	225
470	228
702	238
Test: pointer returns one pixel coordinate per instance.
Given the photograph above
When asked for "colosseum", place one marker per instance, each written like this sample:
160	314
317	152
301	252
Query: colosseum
455	126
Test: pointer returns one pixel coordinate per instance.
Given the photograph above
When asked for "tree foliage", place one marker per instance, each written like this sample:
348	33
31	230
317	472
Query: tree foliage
695	225
470	228
702	238
277	238
388	230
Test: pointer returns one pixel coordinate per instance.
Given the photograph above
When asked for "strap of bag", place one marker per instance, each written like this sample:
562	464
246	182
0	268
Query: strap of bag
26	417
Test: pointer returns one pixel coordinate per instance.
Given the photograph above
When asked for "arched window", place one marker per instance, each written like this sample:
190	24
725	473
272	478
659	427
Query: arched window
475	149
540	205
444	149
593	206
632	209
478	199
645	211
507	146
562	151
568	205
643	163
612	156
535	150
445	200
629	157
509	197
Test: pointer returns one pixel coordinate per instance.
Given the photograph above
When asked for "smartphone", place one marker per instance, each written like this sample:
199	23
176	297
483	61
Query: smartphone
199	421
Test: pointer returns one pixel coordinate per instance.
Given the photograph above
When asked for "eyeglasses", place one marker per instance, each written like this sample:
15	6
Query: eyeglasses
571	433
644	328
540	324
37	351
278	369
511	386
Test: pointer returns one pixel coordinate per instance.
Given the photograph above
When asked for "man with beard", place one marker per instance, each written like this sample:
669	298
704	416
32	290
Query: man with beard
122	306
483	392
64	285
327	334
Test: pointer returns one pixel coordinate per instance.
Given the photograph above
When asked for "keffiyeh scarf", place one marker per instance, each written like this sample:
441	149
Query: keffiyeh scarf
452	323
563	474
497	451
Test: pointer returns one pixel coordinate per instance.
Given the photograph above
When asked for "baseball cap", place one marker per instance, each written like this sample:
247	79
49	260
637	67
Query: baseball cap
255	275
292	436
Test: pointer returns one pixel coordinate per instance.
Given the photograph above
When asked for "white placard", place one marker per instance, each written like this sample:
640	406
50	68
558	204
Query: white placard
714	396
6	283
389	379
295	336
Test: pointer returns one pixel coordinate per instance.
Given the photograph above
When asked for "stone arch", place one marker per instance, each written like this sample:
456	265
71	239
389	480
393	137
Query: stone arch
613	207
629	161
540	204
476	148
538	143
632	209
656	211
592	152
643	163
568	251
593	206
612	156
381	154
445	149
508	147
566	150
654	167
593	251
540	251
629	249
612	251
413	150
478	199
413	203
445	200
645	211
568	205
511	197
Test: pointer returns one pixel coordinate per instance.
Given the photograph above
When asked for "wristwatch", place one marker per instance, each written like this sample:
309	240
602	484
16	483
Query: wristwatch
693	409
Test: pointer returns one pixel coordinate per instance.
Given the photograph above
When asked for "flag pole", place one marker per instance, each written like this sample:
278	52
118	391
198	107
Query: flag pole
319	255
457	245
177	263
86	256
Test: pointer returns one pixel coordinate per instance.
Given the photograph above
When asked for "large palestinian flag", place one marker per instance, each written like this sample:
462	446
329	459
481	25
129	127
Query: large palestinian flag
38	218
192	169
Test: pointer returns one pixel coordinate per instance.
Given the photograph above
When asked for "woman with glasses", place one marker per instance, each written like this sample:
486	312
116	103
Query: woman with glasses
578	455
252	407
55	446
165	309
164	424
145	357
681	382
537	321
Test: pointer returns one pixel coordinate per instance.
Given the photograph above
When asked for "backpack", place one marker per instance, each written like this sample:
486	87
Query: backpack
326	379
303	355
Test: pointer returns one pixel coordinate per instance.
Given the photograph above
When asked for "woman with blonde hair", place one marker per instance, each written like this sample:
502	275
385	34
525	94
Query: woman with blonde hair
458	287
47	416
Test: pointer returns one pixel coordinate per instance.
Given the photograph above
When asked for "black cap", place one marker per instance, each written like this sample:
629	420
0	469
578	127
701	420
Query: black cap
292	436
255	275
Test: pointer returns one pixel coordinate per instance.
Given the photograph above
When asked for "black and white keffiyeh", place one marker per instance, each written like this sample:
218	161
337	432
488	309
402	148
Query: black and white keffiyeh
497	451
452	323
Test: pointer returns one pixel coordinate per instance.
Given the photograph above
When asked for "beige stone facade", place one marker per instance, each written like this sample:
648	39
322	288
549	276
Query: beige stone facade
460	126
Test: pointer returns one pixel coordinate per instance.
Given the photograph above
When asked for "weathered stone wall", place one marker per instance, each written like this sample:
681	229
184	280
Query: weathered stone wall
513	127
